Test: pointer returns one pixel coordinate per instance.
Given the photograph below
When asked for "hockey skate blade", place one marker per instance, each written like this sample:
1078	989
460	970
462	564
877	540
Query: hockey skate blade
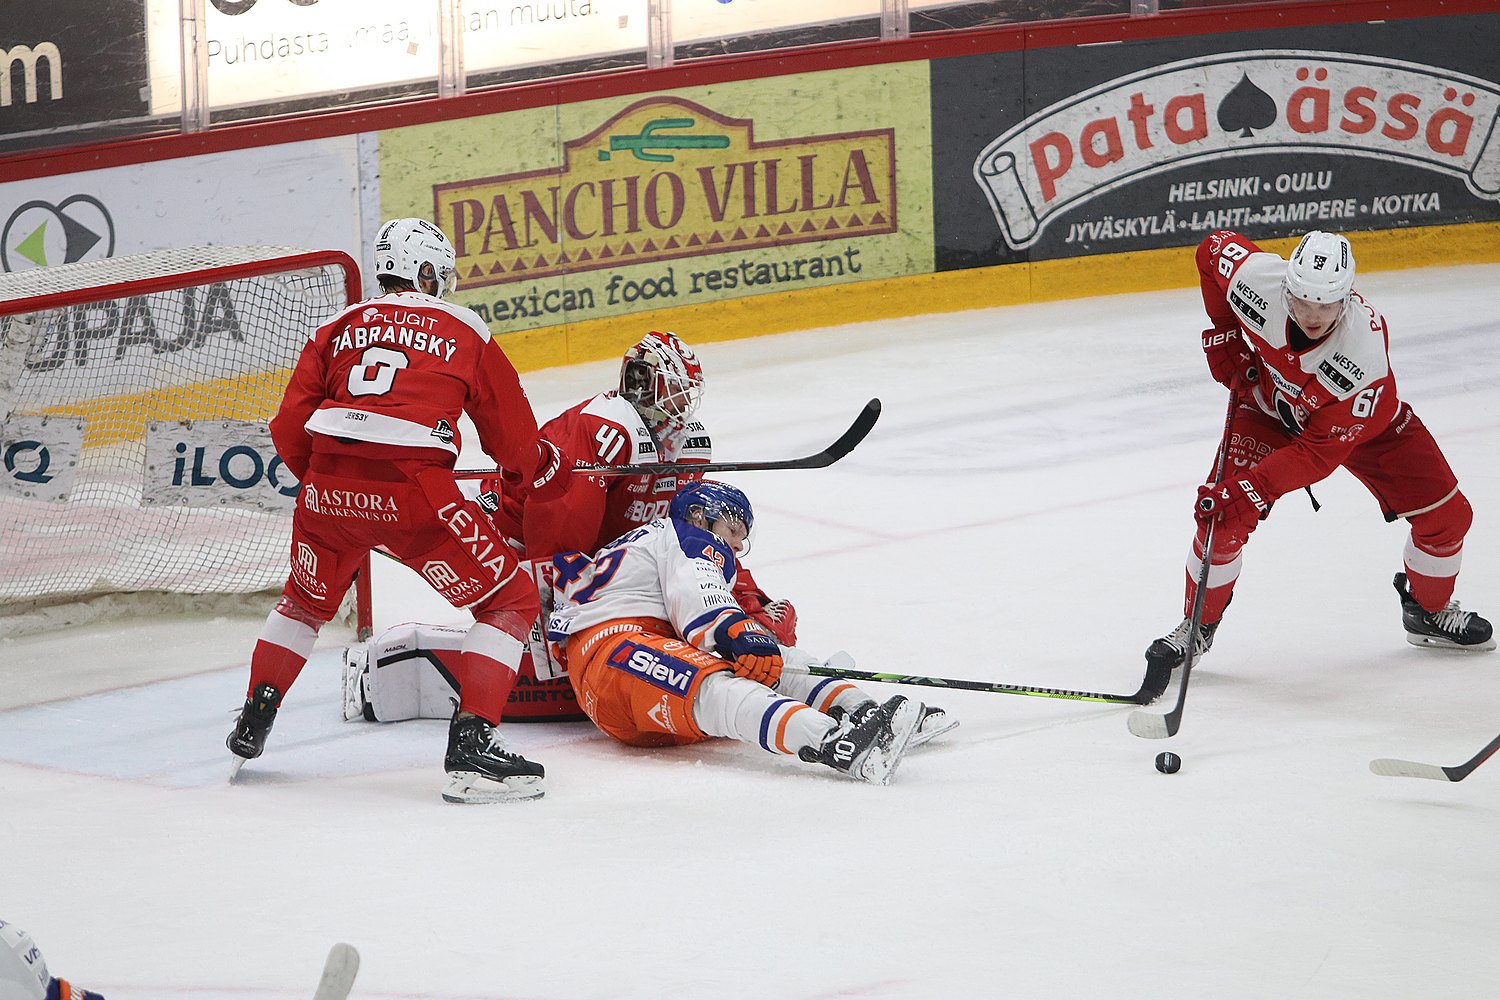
879	767
236	762
931	727
1437	642
1148	725
473	787
338	973
1390	767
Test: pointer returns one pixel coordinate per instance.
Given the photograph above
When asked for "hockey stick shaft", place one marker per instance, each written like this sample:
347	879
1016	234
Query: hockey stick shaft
817	670
1152	725
338	973
857	432
1393	768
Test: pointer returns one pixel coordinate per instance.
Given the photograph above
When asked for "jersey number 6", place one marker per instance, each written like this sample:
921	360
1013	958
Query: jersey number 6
375	371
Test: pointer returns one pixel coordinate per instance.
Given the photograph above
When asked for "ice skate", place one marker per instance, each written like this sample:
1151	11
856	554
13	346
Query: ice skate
872	750
249	736
356	669
933	722
1450	628
481	769
1168	653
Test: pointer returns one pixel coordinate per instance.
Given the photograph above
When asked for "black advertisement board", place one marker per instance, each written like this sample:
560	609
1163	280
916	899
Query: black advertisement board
65	64
1153	143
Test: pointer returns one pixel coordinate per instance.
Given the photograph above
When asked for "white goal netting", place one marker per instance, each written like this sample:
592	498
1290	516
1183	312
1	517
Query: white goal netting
134	398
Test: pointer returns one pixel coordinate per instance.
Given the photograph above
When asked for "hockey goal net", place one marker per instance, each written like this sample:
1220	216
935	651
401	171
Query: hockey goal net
134	399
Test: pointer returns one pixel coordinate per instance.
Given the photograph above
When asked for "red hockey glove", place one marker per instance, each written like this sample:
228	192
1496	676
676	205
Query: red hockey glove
750	648
554	470
1229	360
1237	504
780	619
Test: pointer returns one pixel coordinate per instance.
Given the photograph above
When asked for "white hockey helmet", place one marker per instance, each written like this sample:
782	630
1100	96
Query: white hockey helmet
23	971
1321	269
417	251
662	379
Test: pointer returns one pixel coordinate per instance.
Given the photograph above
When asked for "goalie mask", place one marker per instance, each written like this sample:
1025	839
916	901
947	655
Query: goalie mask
662	379
416	251
715	501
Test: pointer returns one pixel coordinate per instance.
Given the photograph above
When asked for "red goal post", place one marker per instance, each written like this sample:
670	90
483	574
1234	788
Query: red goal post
134	398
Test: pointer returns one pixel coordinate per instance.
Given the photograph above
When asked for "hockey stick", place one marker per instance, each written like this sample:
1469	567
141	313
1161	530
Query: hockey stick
338	973
824	670
1155	725
844	445
1390	767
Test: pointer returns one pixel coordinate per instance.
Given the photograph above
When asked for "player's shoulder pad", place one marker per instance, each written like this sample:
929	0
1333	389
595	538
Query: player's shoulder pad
1251	289
702	544
612	409
1356	355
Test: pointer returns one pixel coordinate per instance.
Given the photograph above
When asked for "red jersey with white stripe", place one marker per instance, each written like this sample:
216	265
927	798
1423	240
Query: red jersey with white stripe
605	429
388	378
1331	394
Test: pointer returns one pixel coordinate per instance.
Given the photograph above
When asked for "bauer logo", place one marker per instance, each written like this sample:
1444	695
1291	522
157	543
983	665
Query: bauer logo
667	673
668	178
216	463
1236	104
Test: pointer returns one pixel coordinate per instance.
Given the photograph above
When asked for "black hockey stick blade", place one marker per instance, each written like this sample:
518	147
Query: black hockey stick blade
338	973
1390	767
823	670
846	443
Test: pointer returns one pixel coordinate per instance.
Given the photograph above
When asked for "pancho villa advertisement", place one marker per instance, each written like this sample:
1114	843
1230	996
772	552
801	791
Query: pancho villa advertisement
1157	143
653	201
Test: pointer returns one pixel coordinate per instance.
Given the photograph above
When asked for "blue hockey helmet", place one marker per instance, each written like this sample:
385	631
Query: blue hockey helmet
715	500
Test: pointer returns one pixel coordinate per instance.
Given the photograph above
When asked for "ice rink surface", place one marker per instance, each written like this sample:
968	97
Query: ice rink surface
1019	514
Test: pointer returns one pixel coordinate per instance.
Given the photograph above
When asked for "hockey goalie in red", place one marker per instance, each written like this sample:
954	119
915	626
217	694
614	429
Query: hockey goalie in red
1308	359
369	424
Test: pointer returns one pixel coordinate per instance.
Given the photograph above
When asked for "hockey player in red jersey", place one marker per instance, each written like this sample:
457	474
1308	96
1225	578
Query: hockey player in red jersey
648	418
1308	358
369	425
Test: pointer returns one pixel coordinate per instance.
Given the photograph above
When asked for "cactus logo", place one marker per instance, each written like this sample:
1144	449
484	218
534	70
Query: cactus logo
40	234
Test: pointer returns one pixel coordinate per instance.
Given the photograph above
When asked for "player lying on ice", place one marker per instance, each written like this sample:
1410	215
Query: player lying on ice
407	671
1308	359
660	653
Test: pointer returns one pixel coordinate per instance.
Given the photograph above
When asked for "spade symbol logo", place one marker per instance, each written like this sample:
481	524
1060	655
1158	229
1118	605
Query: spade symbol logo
1246	107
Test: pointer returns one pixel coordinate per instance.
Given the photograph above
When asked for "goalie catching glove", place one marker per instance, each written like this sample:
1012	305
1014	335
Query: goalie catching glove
1237	504
751	650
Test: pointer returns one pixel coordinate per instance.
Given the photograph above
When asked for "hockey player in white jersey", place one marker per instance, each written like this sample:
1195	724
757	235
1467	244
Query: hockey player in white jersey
660	652
23	971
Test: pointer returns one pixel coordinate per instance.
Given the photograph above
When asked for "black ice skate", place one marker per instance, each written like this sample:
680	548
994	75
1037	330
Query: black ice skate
481	769
249	736
934	721
1168	653
1450	628
871	750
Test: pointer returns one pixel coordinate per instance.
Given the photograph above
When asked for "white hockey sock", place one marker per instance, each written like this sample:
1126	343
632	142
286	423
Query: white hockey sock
741	709
822	693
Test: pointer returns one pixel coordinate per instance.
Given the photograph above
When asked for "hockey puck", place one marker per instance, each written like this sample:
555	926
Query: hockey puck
1168	762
